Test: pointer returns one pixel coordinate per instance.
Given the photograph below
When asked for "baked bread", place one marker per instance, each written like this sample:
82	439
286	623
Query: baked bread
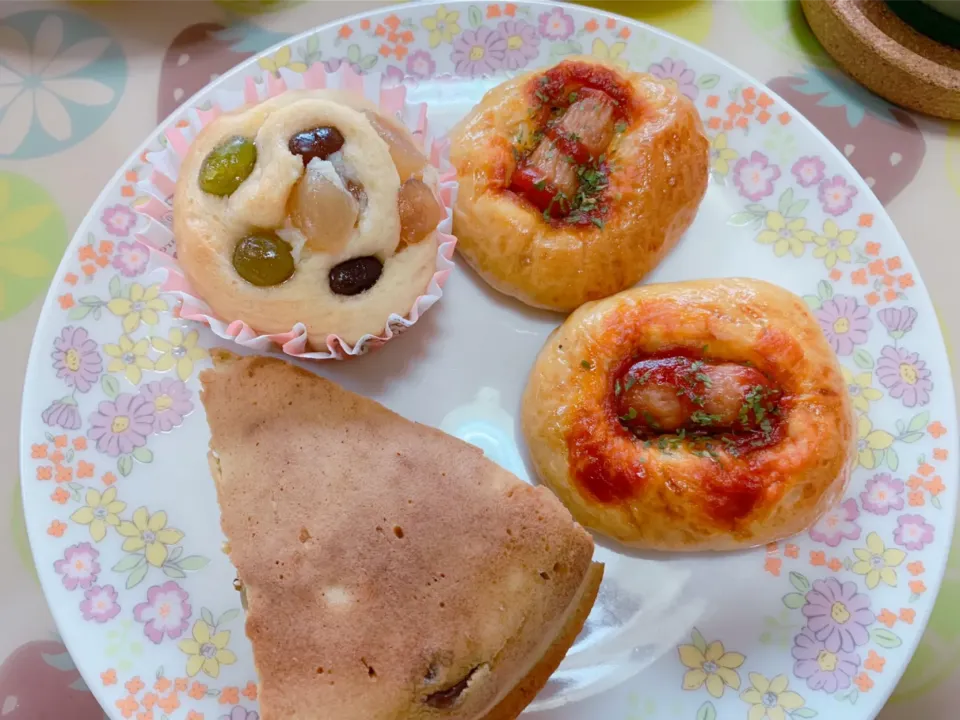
391	571
576	181
308	208
704	415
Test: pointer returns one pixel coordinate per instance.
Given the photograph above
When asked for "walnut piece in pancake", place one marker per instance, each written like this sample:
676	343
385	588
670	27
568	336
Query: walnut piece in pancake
391	571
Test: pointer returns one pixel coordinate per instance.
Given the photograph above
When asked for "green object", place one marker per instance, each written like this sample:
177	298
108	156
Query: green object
782	25
941	26
227	166
33	236
263	259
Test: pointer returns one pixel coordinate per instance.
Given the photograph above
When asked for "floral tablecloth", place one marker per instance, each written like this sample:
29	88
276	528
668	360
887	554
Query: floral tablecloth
82	84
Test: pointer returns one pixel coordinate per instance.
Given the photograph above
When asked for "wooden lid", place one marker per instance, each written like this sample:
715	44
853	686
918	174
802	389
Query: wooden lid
882	52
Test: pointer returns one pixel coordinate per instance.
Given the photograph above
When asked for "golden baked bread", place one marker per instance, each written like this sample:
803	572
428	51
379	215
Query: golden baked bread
309	207
704	415
576	181
391	571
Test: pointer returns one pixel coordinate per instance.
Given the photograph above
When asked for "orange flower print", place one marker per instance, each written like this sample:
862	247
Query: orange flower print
818	557
887	618
149	700
859	277
38	452
915	568
916	499
66	301
908	615
935	486
906	281
791	551
64	473
109	677
835	565
493	11
197	691
162	684
169	703
70	279
80	443
365	24
60	441
866	220
127	706
56	457
86	252
863	682
229	696
591	26
936	430
894	264
84	469
917	587
940	454
181	684
250	691
57	528
925	469
108	479
134	685
60	496
345	32
194	715
510	10
874	662
45	472
773	565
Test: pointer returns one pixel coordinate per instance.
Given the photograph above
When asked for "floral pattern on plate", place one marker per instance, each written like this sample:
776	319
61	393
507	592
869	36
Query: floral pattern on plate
114	387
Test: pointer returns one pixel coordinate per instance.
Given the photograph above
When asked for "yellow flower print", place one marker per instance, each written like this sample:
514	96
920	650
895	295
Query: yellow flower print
709	665
142	305
770	699
179	350
129	357
149	534
834	244
443	26
99	510
207	652
871	443
280	59
720	155
785	234
877	563
611	53
861	389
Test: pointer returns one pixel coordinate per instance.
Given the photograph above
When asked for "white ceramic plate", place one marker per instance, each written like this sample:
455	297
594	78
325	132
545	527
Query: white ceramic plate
122	514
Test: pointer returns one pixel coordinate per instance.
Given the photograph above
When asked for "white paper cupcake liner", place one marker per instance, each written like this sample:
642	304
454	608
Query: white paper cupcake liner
156	202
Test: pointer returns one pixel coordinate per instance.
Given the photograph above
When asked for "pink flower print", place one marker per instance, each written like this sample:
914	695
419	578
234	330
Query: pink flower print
822	669
905	375
808	171
837	524
676	74
99	604
79	566
836	196
883	494
754	176
131	258
837	615
844	323
478	52
421	65
62	413
523	43
165	612
239	713
913	532
556	25
76	358
121	426
897	321
171	403
118	220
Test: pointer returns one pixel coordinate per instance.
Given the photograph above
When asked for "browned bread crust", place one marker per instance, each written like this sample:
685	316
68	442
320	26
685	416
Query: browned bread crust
385	562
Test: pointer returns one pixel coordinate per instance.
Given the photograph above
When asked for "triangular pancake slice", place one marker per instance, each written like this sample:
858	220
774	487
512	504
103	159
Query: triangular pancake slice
391	571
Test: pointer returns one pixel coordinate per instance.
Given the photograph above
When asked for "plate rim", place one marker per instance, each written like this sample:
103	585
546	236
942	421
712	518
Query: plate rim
924	297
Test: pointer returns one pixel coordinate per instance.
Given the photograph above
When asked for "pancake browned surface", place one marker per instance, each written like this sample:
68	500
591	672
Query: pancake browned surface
391	571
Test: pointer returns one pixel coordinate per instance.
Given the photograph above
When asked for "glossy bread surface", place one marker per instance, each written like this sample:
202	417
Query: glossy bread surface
696	415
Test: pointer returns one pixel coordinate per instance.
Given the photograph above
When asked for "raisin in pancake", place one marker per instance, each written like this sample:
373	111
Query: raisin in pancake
391	571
